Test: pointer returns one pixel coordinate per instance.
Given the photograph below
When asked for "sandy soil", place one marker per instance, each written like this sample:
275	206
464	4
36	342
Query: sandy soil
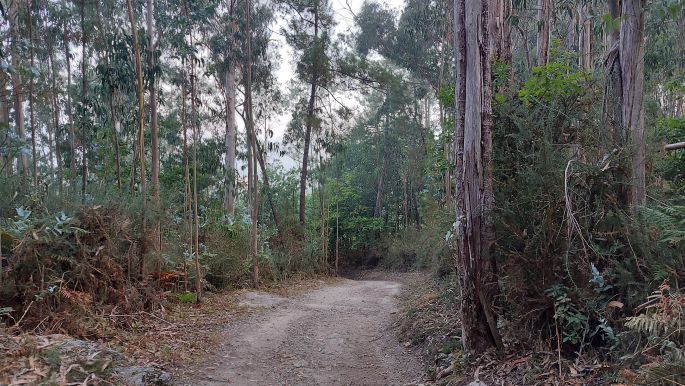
340	334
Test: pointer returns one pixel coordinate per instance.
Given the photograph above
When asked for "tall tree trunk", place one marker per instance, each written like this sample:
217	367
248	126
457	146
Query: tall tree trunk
230	139
115	139
17	93
253	140
380	187
196	214
405	201
5	160
623	99
446	150
311	106
502	35
378	207
613	94
322	215
32	114
572	27
70	114
587	37
55	117
475	199
415	207
632	58
154	125
84	96
526	48
544	30
186	178
337	234
265	180
141	135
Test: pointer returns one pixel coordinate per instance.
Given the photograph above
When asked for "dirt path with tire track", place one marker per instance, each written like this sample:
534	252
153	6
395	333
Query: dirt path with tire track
340	334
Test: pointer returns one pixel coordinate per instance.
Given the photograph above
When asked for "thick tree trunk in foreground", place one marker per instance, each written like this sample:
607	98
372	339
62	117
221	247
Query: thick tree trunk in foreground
613	94
474	194
623	99
632	58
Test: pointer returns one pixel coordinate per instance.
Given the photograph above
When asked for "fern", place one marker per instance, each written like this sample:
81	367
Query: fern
670	220
648	325
669	373
663	325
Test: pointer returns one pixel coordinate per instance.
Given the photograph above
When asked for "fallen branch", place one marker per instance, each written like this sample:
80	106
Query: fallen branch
25	311
674	146
137	315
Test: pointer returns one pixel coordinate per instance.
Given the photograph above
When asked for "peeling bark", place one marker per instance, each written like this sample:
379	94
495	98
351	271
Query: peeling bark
475	198
544	30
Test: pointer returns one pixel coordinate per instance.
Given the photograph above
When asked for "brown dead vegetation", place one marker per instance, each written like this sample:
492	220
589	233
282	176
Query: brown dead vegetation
72	275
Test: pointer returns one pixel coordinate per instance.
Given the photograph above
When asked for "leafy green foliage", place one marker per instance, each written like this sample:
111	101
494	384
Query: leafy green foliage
553	81
573	323
186	297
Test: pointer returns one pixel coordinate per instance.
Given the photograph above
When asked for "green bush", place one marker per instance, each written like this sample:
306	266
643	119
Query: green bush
421	248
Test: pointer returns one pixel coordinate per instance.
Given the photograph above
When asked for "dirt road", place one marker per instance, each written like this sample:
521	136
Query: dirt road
337	335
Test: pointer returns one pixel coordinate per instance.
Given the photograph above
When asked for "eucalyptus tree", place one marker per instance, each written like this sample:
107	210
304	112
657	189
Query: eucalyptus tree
625	94
419	42
632	57
309	32
545	9
184	27
154	119
226	48
141	130
31	11
473	171
84	107
252	147
17	83
52	30
5	135
115	72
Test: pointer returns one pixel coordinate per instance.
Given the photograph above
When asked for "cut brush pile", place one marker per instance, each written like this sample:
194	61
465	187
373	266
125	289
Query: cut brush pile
69	274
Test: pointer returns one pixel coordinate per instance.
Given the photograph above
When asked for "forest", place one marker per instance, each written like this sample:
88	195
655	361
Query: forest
457	192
